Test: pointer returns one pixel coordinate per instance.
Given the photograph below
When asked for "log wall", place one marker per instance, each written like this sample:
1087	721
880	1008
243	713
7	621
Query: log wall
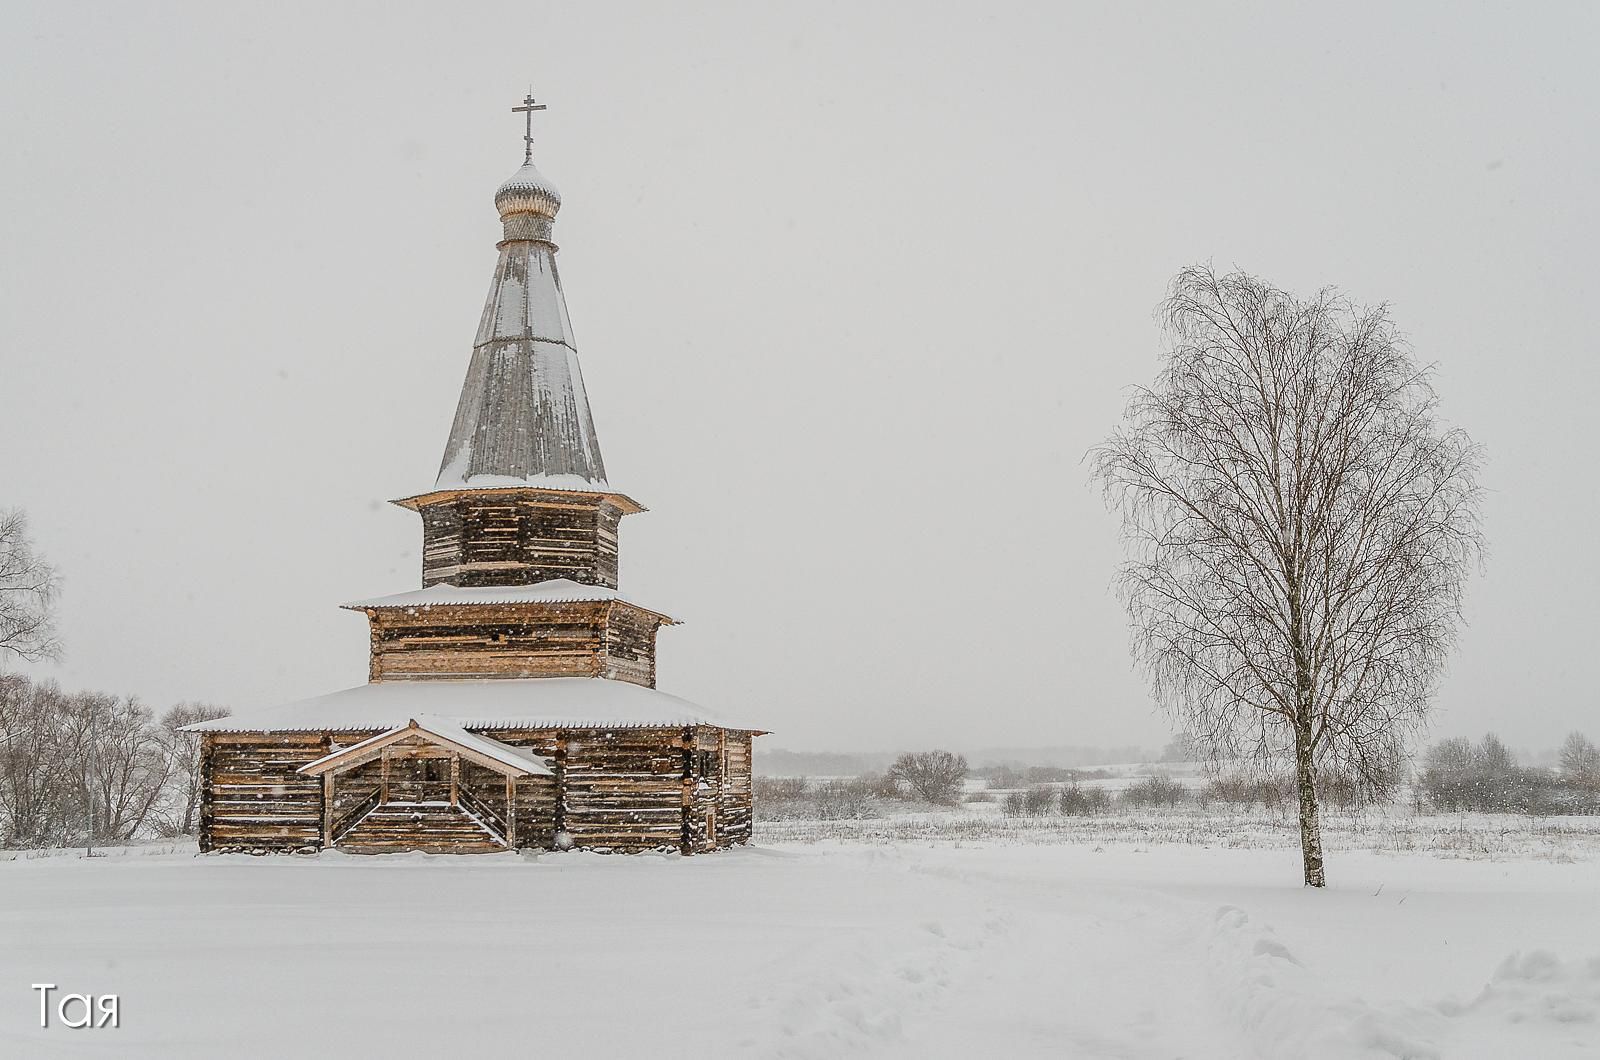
518	537
525	640
630	645
623	790
612	639
254	798
737	820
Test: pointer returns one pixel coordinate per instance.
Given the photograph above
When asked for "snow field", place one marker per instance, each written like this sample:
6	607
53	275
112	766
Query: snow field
820	950
1390	830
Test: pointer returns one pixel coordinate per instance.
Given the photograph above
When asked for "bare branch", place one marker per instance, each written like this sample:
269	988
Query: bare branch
28	587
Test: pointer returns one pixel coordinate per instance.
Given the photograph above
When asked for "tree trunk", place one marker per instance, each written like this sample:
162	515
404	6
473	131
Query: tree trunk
1310	822
191	801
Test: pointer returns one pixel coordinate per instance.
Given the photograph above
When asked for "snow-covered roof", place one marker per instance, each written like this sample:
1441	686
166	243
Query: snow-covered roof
511	703
554	591
445	731
555	483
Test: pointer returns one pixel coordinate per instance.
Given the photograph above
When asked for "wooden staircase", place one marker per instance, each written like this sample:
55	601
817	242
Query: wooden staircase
432	827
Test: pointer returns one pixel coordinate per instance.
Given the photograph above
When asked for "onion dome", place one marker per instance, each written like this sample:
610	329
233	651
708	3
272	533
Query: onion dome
527	203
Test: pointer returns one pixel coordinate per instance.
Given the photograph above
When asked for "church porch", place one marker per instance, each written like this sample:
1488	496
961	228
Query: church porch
431	786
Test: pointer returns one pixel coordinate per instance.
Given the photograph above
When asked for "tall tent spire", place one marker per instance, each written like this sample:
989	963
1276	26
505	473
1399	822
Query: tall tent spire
523	417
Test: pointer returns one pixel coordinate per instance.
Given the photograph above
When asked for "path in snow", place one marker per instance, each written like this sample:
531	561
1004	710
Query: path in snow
809	952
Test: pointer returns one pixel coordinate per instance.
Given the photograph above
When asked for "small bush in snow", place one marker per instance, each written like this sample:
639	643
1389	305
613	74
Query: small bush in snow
1039	800
799	799
1235	789
1031	802
1155	791
933	776
1081	802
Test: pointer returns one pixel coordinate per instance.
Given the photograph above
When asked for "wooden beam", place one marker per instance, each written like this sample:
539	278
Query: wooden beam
686	796
455	777
384	789
511	813
327	810
560	815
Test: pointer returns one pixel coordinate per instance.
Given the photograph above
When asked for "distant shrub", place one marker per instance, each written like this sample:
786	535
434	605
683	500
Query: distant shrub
1081	802
1003	777
1459	775
979	796
880	785
1039	800
1158	790
933	776
1580	772
1348	791
779	789
1031	802
837	800
799	799
1236	789
1009	778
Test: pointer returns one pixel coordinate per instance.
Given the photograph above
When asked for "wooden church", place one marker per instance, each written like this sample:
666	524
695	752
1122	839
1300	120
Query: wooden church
511	701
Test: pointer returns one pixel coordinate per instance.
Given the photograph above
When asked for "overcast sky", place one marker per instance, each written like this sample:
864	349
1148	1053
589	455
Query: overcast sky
855	287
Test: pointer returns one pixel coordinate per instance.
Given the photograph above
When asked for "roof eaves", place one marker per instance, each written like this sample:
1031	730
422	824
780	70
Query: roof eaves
628	505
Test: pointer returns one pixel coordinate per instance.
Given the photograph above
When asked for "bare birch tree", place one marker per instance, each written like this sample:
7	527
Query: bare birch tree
1298	527
27	593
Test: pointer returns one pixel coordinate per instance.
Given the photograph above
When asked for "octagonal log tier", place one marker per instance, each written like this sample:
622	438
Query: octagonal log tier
448	641
519	535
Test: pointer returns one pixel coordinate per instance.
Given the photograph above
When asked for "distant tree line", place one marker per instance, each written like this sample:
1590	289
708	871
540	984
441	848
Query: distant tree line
1459	775
1452	776
88	767
1006	777
936	778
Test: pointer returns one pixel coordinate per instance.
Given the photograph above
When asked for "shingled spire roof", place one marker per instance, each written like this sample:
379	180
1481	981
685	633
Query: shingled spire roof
523	418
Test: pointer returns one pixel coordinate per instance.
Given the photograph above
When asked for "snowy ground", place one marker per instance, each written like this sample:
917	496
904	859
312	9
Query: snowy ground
1384	830
811	950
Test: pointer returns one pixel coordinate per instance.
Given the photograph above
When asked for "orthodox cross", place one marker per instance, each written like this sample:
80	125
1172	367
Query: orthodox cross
527	108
